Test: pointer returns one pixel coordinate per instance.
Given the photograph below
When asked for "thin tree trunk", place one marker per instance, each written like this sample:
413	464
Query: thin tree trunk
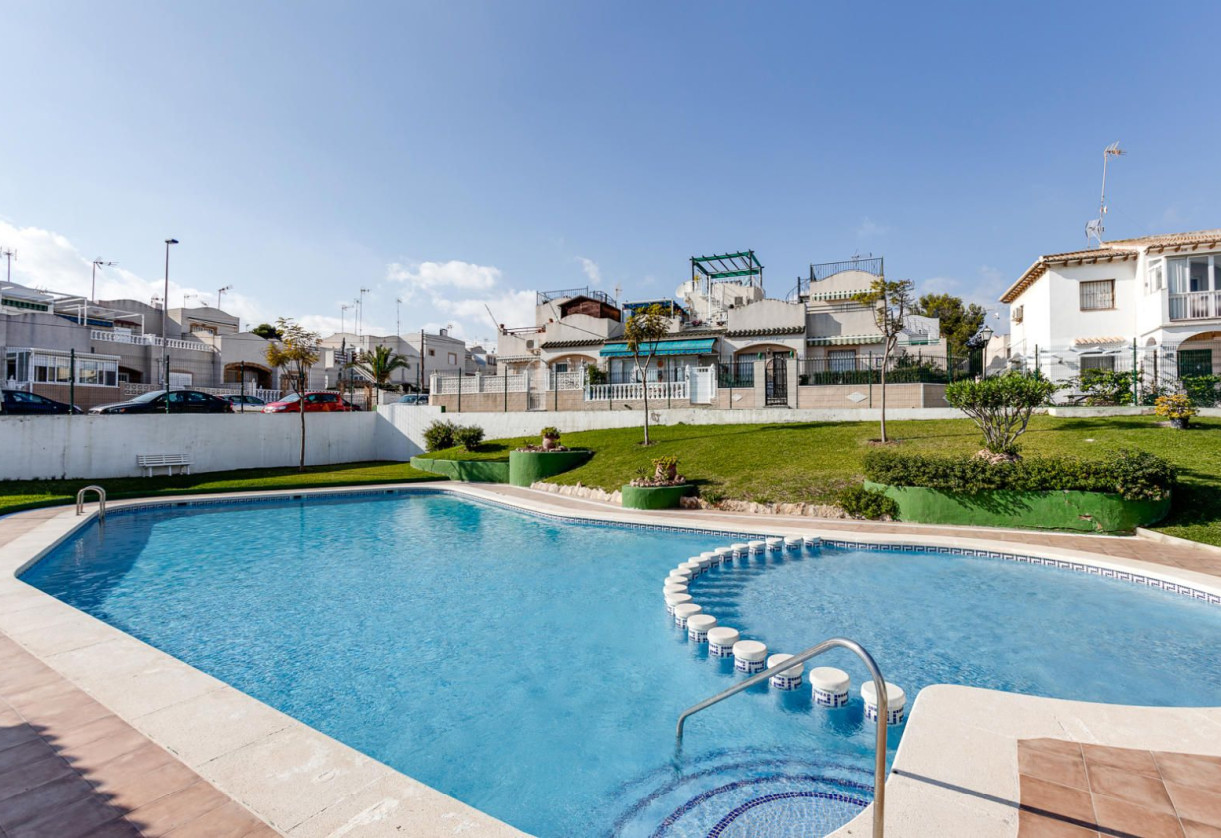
645	385
301	406
885	363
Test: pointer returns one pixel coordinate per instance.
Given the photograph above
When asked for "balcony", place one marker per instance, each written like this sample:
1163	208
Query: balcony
1196	305
145	339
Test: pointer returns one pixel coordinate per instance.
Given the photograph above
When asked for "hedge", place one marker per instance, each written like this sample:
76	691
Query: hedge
1135	475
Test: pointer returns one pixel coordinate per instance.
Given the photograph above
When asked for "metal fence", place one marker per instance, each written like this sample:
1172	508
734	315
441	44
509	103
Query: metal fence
736	374
660	390
902	369
1126	375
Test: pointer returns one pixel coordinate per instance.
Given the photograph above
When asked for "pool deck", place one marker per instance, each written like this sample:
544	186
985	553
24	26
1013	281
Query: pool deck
117	738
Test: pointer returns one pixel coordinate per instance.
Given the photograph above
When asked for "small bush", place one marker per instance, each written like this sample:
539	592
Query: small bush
859	502
1177	406
1001	406
1136	475
469	437
1201	389
440	435
550	432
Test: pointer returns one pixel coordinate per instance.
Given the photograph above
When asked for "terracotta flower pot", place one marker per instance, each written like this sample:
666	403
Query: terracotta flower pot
1181	423
548	443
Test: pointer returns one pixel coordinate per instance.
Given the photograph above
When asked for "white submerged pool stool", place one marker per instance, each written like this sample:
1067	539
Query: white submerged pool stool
698	626
788	679
721	640
694	568
812	541
829	686
682	577
674	600
683	611
749	656
674	587
724	555
740	550
896	701
774	545
792	543
757	547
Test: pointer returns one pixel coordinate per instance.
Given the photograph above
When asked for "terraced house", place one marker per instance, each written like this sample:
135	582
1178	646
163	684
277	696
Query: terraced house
1150	304
730	346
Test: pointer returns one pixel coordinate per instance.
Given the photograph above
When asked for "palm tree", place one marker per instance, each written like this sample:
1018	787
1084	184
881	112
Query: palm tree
377	365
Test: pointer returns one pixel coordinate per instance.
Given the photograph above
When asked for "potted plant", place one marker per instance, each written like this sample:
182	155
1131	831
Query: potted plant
1177	408
551	437
666	468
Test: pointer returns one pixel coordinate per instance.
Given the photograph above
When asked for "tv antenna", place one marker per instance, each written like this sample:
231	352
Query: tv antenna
8	253
1095	228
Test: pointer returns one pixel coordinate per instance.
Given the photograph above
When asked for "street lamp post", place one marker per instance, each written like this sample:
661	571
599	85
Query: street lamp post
93	283
985	337
165	305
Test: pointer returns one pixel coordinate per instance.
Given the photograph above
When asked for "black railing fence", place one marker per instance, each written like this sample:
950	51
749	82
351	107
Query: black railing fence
736	374
902	369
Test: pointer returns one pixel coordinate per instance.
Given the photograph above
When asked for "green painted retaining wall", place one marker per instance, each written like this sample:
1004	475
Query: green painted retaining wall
653	497
527	467
468	471
1052	510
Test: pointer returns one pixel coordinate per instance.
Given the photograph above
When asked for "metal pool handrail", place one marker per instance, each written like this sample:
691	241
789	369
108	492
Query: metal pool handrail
80	501
879	683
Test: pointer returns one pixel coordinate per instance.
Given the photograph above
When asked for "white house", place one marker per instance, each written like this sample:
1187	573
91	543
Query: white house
1150	303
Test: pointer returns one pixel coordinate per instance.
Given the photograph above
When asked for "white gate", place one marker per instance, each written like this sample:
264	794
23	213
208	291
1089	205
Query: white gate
701	384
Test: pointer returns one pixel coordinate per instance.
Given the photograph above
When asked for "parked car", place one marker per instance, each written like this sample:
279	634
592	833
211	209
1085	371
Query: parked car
241	402
414	398
320	402
21	403
179	401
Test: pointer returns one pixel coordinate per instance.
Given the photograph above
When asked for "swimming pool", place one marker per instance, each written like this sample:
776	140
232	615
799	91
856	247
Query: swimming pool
526	665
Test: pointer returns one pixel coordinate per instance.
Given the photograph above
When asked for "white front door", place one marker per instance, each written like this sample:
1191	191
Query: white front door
702	384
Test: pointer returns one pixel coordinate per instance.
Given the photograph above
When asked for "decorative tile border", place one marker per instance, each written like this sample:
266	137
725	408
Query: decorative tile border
736	813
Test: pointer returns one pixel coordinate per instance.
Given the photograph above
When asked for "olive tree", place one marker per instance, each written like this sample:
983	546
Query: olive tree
891	302
643	330
1001	406
293	354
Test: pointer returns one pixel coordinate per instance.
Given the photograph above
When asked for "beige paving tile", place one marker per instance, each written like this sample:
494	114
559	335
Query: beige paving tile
207	726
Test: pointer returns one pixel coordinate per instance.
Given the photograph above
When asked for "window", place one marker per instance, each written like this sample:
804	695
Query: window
841	360
1102	363
432	353
1155	277
180	379
1195	362
1016	314
1195	273
453	359
1098	295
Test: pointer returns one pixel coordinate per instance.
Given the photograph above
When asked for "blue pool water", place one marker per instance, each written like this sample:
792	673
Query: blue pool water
526	666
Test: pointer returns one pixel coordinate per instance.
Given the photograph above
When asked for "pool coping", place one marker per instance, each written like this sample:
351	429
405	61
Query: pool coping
304	783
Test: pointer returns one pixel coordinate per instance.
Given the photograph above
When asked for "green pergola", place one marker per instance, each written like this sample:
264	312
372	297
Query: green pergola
742	266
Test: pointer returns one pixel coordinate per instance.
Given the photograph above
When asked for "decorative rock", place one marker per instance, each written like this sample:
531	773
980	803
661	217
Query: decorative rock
896	702
721	640
789	679
829	686
673	600
757	546
698	625
792	543
684	611
774	545
749	656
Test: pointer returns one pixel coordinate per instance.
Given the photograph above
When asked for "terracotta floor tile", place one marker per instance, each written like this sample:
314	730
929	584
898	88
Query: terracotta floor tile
1128	759
82	818
67	734
31	696
19	755
78	707
1190	770
1199	830
114	829
1140	789
1053	767
92	754
1194	804
1124	818
22	778
19	734
226	821
143	789
1052	799
1032	825
174	810
119	770
1063	747
34	804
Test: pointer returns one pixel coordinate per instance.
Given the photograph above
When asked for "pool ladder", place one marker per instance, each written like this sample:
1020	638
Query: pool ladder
879	683
80	502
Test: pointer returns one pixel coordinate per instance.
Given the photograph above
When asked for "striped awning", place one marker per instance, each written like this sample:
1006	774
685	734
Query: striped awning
664	347
842	340
1103	341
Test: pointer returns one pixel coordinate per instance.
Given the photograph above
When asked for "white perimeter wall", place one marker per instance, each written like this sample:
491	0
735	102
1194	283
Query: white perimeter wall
39	447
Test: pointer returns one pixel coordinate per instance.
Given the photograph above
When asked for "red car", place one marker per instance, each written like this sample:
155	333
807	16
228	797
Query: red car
320	402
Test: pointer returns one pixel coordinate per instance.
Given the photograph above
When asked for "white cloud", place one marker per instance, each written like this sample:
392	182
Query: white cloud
433	277
870	228
591	269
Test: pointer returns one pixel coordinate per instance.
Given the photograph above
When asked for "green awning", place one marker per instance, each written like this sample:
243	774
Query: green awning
664	347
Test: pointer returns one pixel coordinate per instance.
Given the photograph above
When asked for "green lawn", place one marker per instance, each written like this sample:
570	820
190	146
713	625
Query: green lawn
26	494
811	462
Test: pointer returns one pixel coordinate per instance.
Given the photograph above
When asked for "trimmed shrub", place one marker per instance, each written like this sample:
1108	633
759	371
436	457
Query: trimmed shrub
1001	406
468	436
440	435
870	504
1136	475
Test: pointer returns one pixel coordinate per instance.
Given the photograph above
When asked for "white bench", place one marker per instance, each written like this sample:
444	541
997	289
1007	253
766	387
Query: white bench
148	462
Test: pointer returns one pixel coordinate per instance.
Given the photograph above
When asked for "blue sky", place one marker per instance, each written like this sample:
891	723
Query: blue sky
462	154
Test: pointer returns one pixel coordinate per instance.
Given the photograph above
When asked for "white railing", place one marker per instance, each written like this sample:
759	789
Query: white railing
570	380
1196	305
660	390
150	340
467	384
